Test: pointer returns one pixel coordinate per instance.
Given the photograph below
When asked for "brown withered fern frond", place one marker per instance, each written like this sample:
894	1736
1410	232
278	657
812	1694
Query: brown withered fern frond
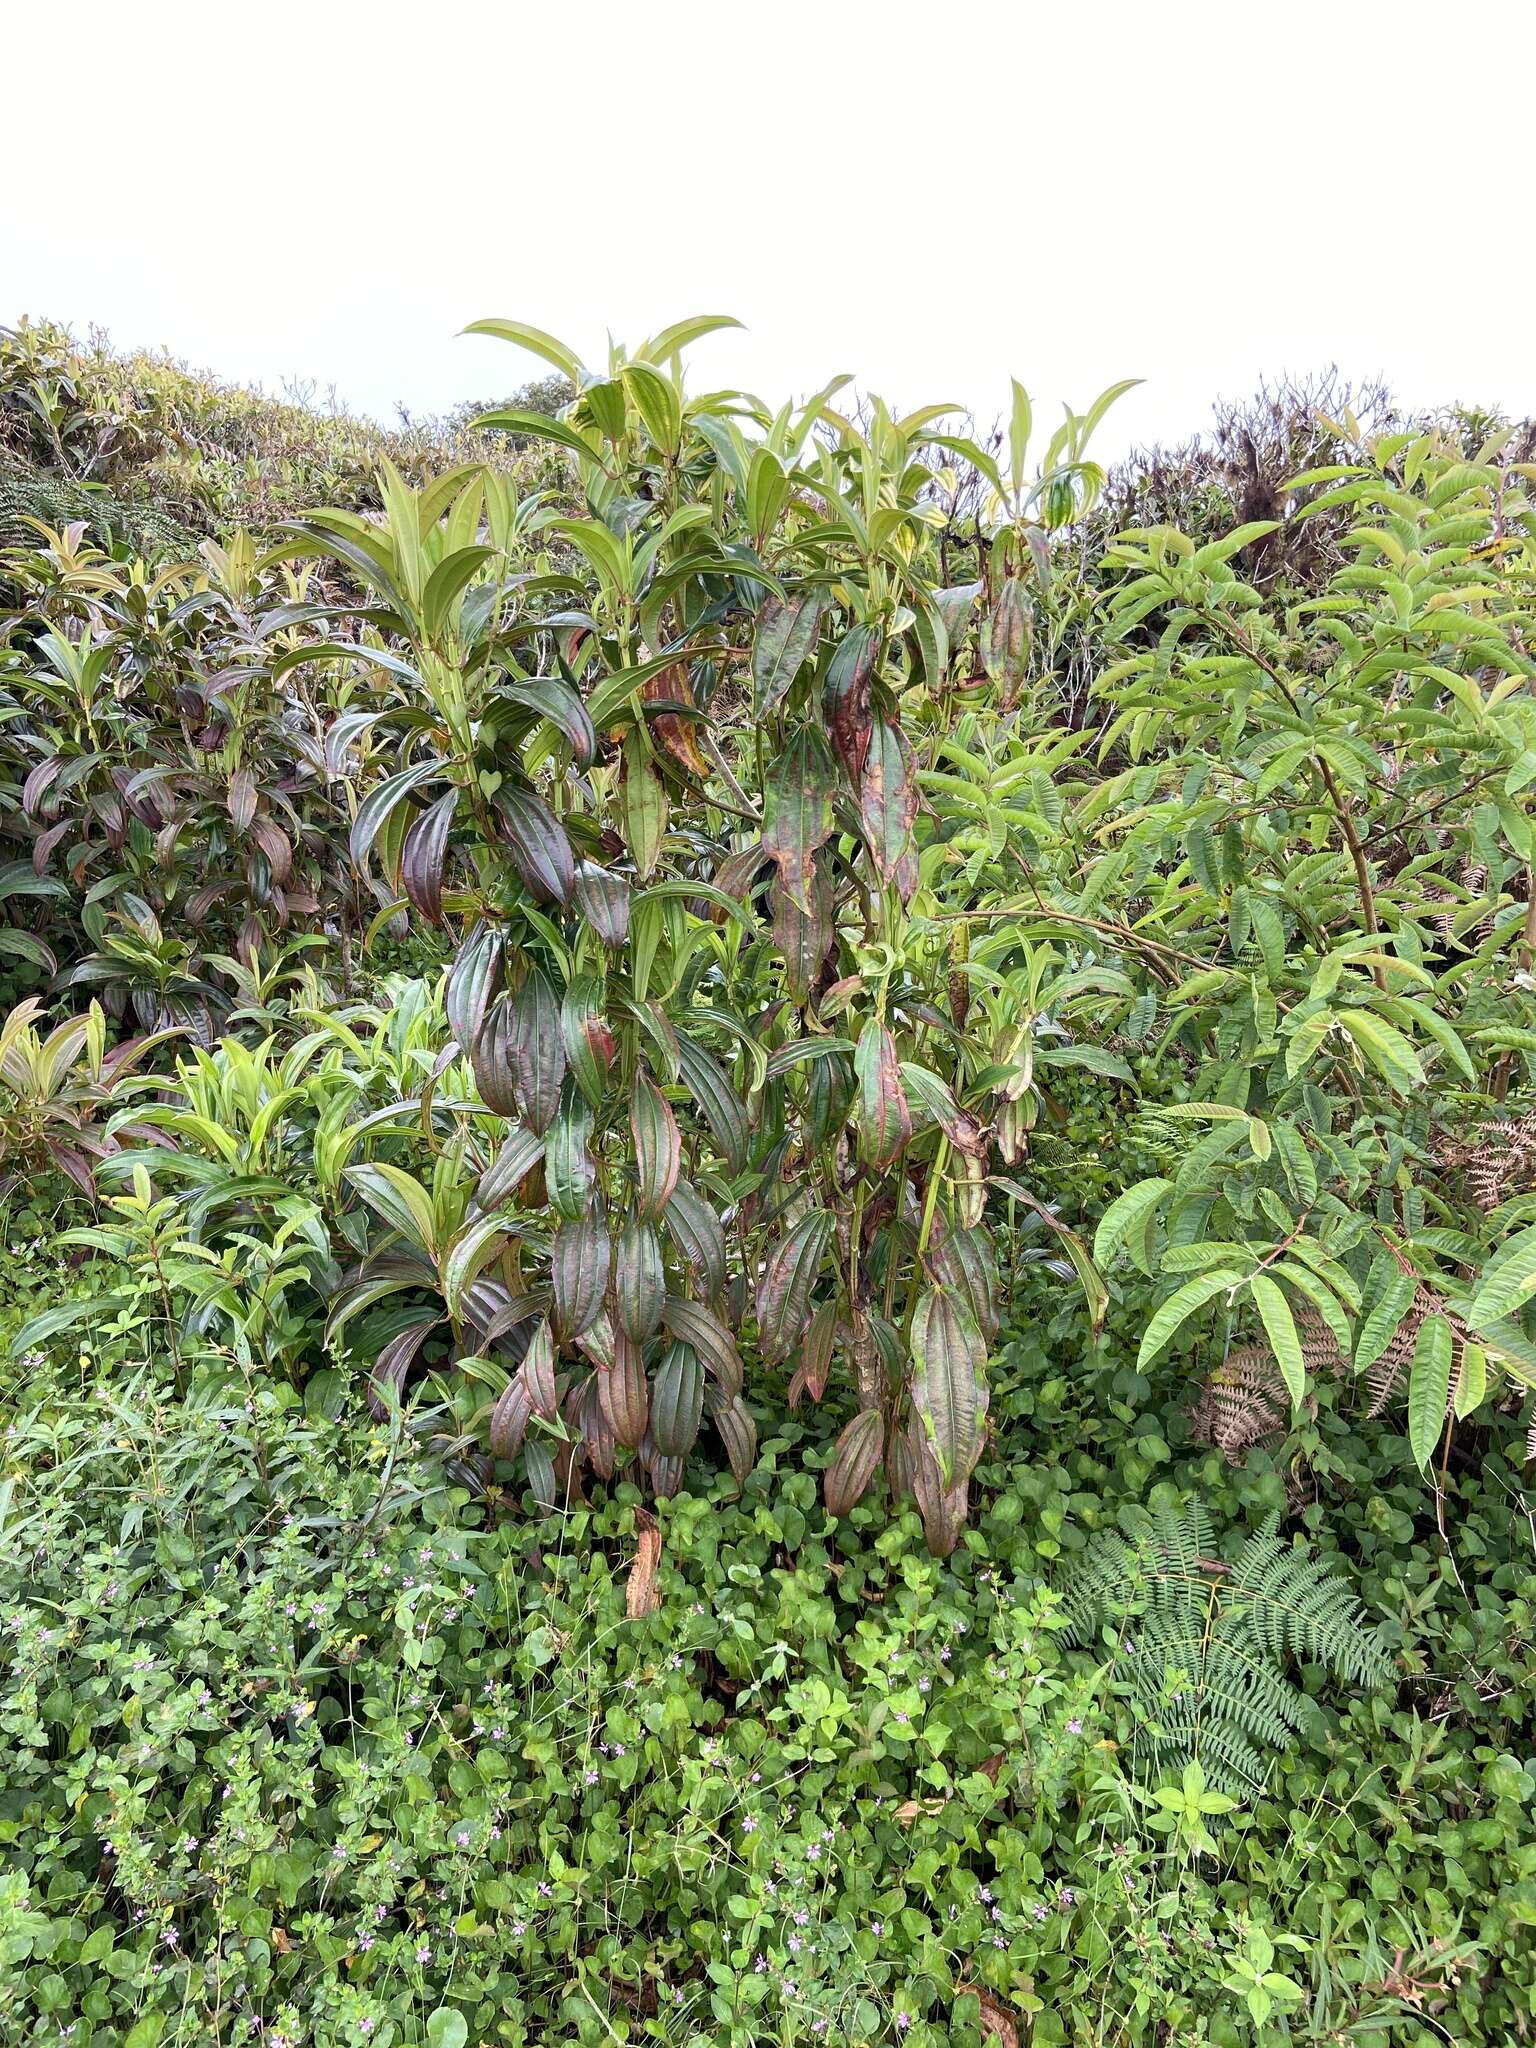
1499	1161
1242	1404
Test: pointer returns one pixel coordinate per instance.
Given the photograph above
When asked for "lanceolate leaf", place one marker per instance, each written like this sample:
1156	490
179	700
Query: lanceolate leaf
519	1152
658	1148
569	1170
424	856
580	1261
847	700
885	1121
1429	1388
799	812
603	899
786	1283
639	1283
888	807
473	980
1508	1280
696	1325
1180	1306
538	843
624	1391
643	806
590	1046
786	633
696	1231
710	1086
677	1401
804	938
948	1386
535	1050
1280	1324
855	1461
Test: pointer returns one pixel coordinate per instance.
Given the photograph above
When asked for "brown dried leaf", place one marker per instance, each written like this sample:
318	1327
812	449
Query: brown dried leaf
642	1595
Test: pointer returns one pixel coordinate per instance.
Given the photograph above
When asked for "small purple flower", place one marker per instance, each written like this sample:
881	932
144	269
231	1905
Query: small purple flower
903	2021
749	1825
423	1954
1074	1727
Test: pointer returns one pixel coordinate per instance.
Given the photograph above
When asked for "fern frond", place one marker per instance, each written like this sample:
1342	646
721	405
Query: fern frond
1202	1649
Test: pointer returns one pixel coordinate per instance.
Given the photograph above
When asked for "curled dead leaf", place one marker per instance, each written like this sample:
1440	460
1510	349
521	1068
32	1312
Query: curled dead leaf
997	2023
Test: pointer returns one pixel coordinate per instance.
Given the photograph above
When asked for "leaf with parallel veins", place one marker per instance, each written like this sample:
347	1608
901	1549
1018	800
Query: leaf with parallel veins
799	812
785	1285
786	635
580	1262
658	1147
535	1050
848	700
888	808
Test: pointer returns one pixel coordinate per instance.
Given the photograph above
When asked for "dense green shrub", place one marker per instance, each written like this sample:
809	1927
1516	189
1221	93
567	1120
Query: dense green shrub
299	1735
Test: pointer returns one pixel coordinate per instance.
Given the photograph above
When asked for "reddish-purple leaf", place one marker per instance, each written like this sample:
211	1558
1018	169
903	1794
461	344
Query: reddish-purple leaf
658	1147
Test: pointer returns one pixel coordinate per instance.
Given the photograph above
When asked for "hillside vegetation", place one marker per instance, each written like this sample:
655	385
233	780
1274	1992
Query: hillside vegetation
771	1179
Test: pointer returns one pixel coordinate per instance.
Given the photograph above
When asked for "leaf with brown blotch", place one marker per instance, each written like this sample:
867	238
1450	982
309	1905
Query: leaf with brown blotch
967	1263
1005	640
798	803
804	938
658	1147
590	1046
642	1595
783	643
885	1118
538	842
785	1285
888	807
424	856
674	734
847	700
855	1461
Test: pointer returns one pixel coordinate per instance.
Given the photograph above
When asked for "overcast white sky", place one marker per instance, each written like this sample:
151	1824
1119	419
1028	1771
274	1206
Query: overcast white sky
930	196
